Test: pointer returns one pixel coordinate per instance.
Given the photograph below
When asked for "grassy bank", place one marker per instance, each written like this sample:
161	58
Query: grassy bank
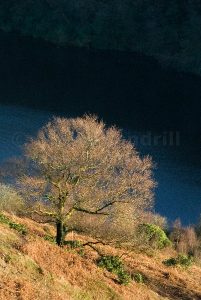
32	266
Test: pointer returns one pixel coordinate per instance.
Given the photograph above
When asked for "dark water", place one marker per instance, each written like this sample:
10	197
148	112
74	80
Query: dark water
158	107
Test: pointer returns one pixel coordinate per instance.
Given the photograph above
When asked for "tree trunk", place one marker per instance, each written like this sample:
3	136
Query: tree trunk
61	233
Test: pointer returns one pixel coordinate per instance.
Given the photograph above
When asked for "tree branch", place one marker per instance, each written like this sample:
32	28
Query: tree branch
107	205
43	213
69	214
90	212
91	245
98	211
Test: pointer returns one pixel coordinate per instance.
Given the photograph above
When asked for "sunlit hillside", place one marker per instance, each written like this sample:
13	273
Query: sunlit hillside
32	267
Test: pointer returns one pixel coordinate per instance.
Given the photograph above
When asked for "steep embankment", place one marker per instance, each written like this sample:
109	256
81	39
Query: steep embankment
34	268
167	30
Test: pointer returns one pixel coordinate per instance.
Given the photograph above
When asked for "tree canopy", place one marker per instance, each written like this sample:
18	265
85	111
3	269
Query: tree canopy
80	166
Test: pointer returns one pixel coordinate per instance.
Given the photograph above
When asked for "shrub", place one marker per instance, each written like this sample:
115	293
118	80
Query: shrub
170	262
181	260
153	235
114	265
184	239
184	260
10	200
111	263
138	277
123	277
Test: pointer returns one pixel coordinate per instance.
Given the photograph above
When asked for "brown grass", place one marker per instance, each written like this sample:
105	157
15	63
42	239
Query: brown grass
32	268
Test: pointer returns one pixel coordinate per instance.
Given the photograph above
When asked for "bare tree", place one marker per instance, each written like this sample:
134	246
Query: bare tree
81	167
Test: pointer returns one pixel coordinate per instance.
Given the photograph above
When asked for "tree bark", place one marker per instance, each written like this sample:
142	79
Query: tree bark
61	233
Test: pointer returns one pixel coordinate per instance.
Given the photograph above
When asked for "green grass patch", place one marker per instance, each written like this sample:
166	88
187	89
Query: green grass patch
73	244
50	238
16	226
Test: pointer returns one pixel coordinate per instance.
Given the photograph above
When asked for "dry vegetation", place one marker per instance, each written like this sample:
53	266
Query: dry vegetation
32	268
78	224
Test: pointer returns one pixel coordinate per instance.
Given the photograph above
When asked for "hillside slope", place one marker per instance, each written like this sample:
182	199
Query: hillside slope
167	30
34	268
